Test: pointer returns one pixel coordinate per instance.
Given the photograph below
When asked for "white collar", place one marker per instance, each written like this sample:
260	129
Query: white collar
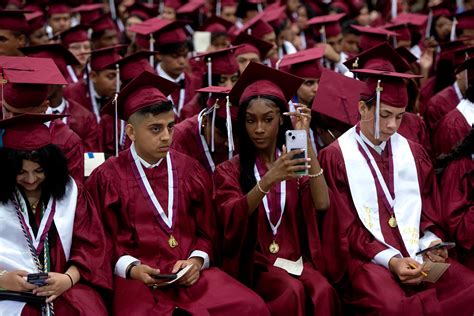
377	148
458	90
163	74
142	161
59	108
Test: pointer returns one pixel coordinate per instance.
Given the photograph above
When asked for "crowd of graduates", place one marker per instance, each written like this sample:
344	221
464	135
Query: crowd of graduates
144	167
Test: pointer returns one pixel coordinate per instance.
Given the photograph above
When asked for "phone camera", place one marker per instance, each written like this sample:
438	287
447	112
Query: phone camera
290	134
293	137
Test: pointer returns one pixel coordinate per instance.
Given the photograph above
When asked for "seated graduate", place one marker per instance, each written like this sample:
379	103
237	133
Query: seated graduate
46	226
457	184
265	210
209	136
388	210
157	207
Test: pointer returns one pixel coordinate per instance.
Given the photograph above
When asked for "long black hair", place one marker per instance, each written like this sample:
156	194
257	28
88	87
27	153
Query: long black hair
49	157
247	148
464	149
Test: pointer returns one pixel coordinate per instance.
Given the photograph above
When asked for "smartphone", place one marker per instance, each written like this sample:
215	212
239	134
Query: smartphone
164	276
298	139
38	279
446	245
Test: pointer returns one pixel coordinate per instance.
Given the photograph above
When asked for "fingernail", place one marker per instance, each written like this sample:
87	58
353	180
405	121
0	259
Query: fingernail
308	159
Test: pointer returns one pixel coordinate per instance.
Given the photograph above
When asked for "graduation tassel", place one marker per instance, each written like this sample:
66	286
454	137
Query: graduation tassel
260	7
230	136
428	24
378	90
209	72
394	9
118	133
452	36
218	7
322	31
277	65
113	10
161	5
213	124
152	48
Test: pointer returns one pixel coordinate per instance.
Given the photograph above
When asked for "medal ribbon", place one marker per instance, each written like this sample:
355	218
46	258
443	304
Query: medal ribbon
281	191
45	224
205	147
150	196
387	198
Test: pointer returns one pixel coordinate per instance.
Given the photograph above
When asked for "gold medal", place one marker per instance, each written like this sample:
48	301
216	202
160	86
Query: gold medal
172	242
392	222
274	248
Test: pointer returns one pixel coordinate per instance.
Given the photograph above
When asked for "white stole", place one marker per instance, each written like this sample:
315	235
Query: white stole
407	206
466	108
14	251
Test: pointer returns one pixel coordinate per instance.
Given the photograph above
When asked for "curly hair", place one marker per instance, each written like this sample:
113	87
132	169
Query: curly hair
49	157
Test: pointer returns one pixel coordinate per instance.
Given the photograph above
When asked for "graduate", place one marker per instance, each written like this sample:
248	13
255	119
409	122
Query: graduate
59	18
46	227
456	124
388	209
265	211
250	49
205	136
77	41
157	207
79	119
28	94
37	34
14	29
457	186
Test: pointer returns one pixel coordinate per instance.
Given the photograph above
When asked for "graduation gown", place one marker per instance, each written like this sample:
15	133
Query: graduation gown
187	140
413	128
349	248
84	124
191	108
86	252
439	105
427	90
451	131
79	93
246	239
191	83
458	206
134	229
71	145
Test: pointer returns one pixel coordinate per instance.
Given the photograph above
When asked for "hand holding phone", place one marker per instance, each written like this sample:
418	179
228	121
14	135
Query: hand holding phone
441	245
298	140
166	277
38	279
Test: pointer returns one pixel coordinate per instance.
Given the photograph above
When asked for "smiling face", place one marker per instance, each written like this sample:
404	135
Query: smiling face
390	120
152	134
262	123
30	176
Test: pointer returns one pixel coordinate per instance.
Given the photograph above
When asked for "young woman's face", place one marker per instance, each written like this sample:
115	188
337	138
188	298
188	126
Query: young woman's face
30	176
262	122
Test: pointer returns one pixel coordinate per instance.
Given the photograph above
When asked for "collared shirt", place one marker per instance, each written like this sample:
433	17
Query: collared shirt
57	110
142	161
378	148
163	74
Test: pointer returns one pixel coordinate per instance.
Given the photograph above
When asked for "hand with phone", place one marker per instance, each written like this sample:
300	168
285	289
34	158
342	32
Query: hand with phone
53	286
437	251
16	281
146	274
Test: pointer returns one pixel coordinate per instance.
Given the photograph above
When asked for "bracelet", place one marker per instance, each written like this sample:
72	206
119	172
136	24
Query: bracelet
129	269
260	188
320	173
70	278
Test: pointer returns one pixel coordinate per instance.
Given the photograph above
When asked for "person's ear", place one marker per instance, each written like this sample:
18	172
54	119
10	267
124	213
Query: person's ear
130	130
93	76
363	109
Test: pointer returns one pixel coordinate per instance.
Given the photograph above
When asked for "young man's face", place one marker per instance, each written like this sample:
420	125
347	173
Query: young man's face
335	42
390	120
152	135
39	37
244	60
175	63
9	43
60	22
109	38
104	82
350	43
81	51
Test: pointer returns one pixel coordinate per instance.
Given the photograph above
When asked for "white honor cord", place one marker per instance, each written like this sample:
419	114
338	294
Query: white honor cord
204	143
267	208
384	186
72	73
230	135
182	92
167	219
95	107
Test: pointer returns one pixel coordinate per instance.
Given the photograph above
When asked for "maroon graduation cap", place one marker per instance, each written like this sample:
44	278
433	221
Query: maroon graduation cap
304	64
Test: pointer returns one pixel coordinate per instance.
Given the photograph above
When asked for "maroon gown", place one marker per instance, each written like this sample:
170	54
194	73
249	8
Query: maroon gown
458	206
88	255
451	131
413	128
369	288
79	93
186	140
440	105
71	145
246	239
135	230
191	84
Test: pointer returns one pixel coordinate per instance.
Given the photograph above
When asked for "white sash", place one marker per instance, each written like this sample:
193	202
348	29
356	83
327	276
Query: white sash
266	206
204	143
167	219
72	73
406	206
466	108
14	252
